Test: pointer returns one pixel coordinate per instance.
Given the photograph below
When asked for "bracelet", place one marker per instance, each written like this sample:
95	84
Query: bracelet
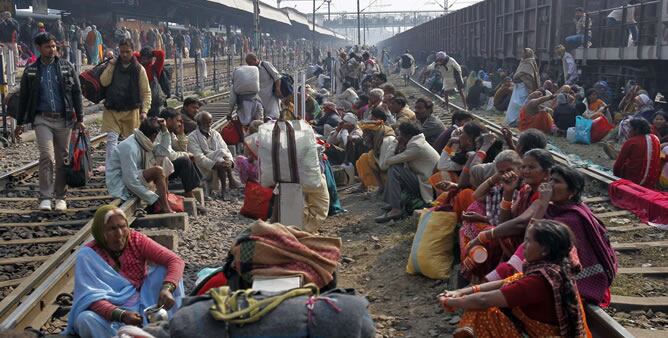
506	205
117	314
168	286
484	237
475	288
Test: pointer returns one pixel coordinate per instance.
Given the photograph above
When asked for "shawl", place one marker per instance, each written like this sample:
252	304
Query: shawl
552	273
598	259
380	131
529	67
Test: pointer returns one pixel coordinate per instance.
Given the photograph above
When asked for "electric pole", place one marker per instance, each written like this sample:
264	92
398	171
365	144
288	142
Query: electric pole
313	35
256	24
359	32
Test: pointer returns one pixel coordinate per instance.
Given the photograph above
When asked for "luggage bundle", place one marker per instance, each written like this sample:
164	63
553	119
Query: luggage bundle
91	88
246	80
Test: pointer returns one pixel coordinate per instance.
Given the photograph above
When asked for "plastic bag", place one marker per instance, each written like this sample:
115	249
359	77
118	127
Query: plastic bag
257	201
600	128
570	134
583	130
78	170
246	80
432	252
308	162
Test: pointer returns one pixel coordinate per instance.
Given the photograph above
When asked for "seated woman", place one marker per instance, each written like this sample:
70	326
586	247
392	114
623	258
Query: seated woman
595	106
412	162
519	193
454	156
135	168
639	160
329	120
553	309
483	213
564	114
477	95
534	115
560	201
246	165
379	137
113	282
660	126
346	141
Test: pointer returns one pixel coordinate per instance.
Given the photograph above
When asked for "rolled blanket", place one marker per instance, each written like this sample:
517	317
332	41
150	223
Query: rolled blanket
272	249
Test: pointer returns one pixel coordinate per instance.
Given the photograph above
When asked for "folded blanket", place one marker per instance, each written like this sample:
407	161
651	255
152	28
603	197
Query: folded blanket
272	249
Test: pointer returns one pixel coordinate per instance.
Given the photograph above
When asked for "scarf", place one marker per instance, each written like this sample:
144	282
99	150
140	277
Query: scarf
596	233
148	158
552	273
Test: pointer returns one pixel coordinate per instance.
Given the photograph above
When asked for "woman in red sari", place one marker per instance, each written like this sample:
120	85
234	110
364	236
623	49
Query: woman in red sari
553	308
639	161
517	197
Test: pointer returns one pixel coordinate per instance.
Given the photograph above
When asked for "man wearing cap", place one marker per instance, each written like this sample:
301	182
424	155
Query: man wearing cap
191	106
451	74
154	63
346	141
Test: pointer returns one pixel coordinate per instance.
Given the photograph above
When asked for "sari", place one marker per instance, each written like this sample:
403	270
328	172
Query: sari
542	121
593	251
496	322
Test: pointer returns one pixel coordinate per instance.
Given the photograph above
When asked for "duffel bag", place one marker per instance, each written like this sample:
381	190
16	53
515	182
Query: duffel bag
91	87
335	314
246	80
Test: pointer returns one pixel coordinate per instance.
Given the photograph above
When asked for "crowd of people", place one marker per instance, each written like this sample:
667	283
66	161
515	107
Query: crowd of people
511	199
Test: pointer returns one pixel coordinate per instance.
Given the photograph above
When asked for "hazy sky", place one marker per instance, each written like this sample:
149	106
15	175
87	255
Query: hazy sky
306	6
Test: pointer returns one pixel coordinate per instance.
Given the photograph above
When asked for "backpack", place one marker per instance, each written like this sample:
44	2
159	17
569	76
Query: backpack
406	61
287	84
91	88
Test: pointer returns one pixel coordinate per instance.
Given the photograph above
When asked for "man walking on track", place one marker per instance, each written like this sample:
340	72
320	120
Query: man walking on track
50	99
451	73
407	66
128	96
270	78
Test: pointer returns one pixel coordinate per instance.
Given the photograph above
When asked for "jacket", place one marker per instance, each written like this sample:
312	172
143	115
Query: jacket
69	85
421	159
124	171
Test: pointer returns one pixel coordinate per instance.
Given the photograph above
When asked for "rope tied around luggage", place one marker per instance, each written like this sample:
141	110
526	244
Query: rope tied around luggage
310	304
240	307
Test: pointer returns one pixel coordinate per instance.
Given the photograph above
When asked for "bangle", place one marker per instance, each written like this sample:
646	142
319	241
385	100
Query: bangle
481	154
168	286
506	205
484	237
476	288
117	314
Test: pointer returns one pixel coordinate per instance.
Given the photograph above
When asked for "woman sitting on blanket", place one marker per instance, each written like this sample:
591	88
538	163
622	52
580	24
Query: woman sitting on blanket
112	282
553	309
560	200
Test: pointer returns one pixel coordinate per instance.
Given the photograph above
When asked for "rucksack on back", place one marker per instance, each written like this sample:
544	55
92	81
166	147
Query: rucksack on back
406	61
287	86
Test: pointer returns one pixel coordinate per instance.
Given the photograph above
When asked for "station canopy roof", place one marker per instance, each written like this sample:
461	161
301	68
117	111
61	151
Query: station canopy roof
266	11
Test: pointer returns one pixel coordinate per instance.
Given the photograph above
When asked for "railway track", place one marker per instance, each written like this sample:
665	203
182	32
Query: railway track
38	283
641	248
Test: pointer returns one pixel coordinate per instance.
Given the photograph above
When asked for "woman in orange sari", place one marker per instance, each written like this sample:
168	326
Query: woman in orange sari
535	115
553	309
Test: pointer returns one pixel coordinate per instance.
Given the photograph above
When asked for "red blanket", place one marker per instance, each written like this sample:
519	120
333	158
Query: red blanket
647	204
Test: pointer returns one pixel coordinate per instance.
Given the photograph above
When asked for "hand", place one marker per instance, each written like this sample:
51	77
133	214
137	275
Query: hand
507	135
131	318
191	157
142	116
17	132
113	60
446	186
166	299
452	141
163	124
474	217
451	294
488	140
81	126
546	191
510	181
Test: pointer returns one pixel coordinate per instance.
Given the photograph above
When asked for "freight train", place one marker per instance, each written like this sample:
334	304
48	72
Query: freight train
492	34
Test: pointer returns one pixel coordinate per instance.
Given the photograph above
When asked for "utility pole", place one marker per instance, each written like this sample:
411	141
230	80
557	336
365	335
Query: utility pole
256	25
359	32
313	35
329	15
